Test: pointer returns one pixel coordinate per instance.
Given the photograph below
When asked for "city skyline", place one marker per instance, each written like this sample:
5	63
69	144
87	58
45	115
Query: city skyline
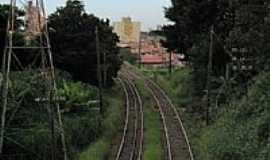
150	13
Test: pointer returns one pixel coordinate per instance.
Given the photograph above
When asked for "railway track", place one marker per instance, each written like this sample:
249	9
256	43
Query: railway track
177	145
131	145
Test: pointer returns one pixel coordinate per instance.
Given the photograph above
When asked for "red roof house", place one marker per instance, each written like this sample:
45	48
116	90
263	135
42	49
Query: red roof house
152	59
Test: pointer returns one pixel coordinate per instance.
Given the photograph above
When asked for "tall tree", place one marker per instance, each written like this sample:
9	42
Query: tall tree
190	35
3	24
73	42
18	38
251	31
240	43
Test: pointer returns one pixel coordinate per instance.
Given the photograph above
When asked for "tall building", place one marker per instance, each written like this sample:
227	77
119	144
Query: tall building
128	30
35	21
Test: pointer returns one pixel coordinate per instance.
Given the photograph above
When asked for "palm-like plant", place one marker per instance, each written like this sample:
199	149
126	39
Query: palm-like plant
75	94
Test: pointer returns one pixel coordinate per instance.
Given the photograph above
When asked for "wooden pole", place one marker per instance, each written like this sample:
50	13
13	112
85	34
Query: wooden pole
51	114
104	69
140	51
209	75
99	72
170	65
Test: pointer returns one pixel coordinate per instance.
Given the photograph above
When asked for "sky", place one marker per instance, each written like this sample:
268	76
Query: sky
149	12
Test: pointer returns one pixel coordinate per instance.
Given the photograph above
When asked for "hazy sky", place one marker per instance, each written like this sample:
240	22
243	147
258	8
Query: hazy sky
149	12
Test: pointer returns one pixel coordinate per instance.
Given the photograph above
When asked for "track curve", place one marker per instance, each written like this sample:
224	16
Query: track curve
131	145
176	139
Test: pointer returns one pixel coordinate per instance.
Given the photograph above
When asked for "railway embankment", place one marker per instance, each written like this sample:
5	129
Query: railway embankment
239	128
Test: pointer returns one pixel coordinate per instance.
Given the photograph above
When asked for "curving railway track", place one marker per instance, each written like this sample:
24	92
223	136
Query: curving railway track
131	145
177	145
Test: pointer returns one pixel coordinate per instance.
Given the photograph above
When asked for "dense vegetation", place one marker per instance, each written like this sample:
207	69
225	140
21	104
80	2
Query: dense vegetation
239	108
241	131
73	40
3	19
111	128
237	24
239	105
28	126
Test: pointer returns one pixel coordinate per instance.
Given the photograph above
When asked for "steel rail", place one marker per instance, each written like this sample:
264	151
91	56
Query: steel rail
140	131
134	110
178	118
132	154
176	113
162	115
126	120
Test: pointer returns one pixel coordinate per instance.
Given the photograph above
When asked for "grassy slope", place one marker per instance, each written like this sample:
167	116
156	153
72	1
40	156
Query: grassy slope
100	149
243	133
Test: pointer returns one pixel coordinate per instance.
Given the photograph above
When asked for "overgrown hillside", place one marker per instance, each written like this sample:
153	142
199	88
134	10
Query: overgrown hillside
242	133
85	129
28	123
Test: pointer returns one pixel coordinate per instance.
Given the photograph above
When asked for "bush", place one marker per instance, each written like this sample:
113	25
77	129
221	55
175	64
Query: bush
76	94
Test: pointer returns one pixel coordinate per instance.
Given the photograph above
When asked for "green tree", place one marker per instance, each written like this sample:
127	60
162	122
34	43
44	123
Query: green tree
237	23
3	21
251	31
73	42
4	14
189	34
18	37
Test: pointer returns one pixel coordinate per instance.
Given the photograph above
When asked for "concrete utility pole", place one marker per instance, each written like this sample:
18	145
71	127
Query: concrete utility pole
105	67
53	142
140	51
170	65
99	76
209	75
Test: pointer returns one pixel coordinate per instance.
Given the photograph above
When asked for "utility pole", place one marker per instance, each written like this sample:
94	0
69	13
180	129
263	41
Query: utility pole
51	111
104	69
170	61
209	75
99	76
140	51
